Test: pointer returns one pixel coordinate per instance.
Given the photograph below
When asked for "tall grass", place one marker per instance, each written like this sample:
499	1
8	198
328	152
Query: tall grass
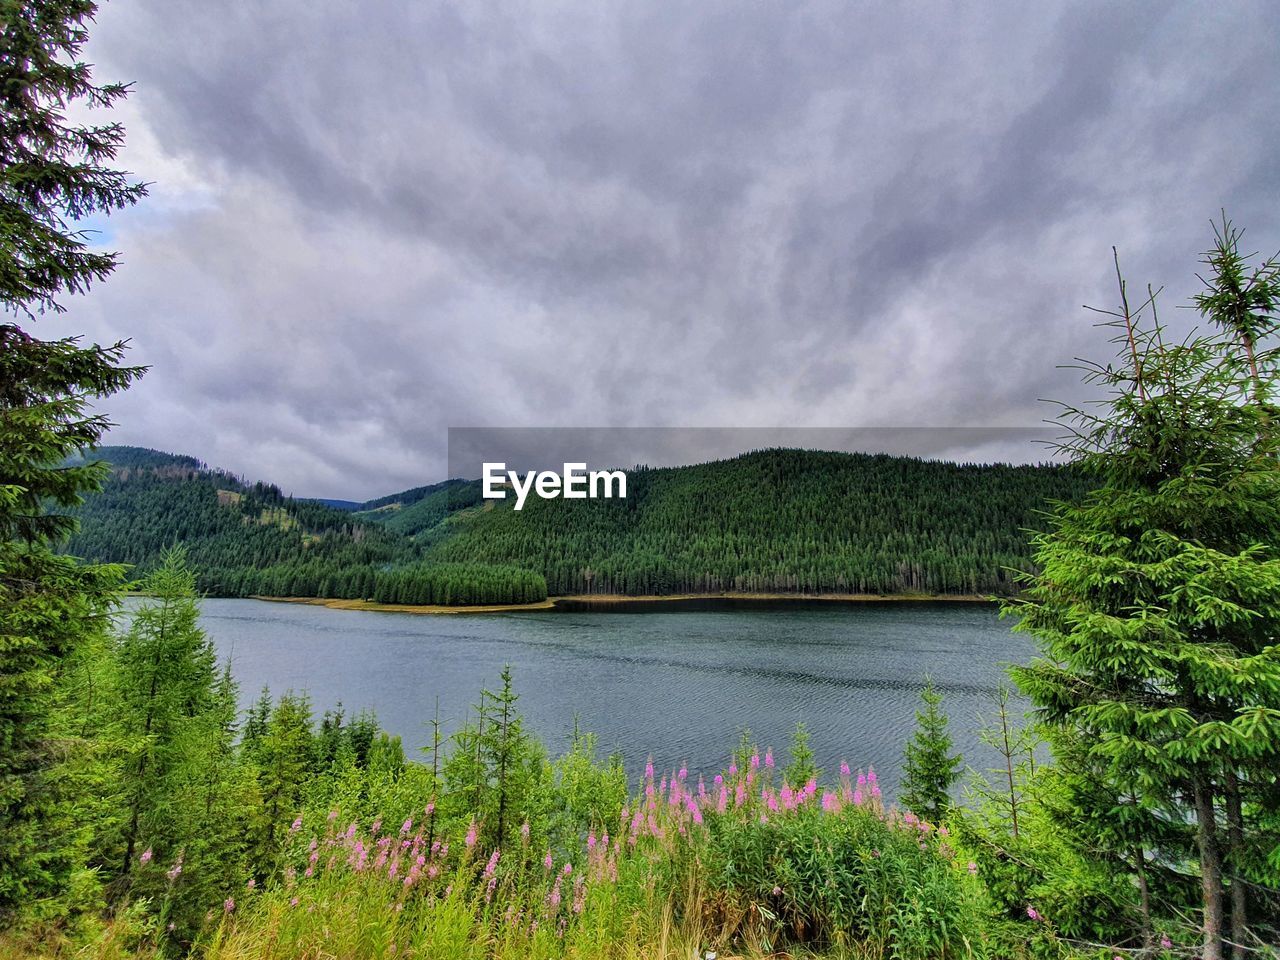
747	863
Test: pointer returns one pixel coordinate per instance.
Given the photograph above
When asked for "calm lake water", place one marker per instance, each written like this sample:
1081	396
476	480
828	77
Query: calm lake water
680	686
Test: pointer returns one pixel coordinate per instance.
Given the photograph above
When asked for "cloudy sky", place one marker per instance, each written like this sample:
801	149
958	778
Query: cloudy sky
371	222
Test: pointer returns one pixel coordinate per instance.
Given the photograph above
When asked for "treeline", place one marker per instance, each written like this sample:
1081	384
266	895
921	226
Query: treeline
252	540
775	521
786	521
459	584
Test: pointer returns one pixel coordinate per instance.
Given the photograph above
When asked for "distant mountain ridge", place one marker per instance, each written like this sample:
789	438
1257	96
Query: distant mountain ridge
774	521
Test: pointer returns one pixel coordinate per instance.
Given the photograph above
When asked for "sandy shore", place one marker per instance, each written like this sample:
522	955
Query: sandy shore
607	600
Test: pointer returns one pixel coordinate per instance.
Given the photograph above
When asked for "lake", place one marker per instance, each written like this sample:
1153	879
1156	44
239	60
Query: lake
677	685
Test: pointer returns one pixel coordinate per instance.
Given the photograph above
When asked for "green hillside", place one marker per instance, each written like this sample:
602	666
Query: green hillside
774	521
789	521
250	539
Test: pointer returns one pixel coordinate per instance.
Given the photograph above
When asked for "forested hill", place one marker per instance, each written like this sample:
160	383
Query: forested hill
785	521
789	521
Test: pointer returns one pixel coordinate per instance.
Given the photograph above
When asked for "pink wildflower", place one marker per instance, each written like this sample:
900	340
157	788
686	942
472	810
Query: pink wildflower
524	831
146	856
973	869
844	768
492	865
768	758
1031	913
406	826
297	825
547	861
228	905
470	840
1165	942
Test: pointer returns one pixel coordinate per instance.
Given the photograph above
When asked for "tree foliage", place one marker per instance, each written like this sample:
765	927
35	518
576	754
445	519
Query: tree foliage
53	172
929	768
1158	602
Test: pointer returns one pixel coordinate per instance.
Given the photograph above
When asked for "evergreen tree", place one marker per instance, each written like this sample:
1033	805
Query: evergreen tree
283	760
1158	604
929	768
495	768
802	767
169	706
51	173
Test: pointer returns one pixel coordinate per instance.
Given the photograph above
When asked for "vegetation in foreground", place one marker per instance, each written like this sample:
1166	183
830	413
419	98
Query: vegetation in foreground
184	827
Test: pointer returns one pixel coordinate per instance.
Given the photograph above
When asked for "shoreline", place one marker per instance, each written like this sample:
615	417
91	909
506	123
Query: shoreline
626	604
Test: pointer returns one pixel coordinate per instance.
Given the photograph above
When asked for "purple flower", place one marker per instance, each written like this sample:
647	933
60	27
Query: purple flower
547	861
1165	942
228	905
1031	913
146	856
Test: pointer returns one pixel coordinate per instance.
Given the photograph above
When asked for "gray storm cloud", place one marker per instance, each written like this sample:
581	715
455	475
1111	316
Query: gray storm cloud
374	222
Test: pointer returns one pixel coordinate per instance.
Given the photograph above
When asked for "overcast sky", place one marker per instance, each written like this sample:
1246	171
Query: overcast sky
371	222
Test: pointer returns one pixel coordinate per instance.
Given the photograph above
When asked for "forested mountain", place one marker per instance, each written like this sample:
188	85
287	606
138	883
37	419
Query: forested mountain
788	521
785	521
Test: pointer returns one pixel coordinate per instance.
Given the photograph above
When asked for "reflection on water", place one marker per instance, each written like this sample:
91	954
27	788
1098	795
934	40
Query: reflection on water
680	686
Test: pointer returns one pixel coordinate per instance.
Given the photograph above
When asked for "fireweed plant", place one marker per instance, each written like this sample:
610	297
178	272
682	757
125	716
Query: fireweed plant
743	859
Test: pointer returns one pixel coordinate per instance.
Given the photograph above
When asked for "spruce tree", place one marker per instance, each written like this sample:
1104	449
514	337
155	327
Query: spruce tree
802	767
283	760
52	173
1157	604
929	768
168	706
